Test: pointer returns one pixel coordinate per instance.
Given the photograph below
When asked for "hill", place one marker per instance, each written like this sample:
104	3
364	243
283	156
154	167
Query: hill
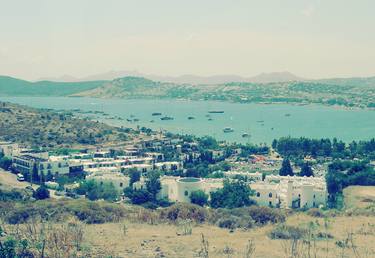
349	92
43	128
15	87
184	79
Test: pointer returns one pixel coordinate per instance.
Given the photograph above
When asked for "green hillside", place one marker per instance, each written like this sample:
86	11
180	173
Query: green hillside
15	87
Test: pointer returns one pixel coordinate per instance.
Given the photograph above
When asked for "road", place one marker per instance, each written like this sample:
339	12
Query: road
9	180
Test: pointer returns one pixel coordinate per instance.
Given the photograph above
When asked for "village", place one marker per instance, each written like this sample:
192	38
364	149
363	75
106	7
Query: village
175	159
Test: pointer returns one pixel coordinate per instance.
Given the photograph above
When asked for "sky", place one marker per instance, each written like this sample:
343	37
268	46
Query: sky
310	38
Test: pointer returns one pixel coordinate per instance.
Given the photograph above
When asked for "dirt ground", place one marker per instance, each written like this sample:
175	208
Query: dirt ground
142	240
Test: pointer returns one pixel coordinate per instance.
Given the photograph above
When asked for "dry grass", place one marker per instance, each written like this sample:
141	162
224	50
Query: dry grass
359	196
144	240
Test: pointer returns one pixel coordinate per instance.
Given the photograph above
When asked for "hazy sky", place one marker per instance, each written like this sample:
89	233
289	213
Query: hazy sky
311	38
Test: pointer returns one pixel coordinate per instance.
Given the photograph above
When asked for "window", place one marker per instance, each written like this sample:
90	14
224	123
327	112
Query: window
270	203
258	194
186	193
270	195
121	184
314	196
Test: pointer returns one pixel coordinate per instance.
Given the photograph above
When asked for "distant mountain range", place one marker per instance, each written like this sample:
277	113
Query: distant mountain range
350	92
187	78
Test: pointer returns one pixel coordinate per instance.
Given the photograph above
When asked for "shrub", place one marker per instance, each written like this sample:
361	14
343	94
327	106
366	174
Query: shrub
41	193
315	212
263	215
199	197
283	231
184	211
232	218
231	222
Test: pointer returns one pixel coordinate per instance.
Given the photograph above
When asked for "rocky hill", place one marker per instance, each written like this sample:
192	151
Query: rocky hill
350	92
43	128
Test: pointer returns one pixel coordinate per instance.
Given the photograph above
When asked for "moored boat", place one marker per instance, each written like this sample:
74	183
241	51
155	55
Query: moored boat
228	130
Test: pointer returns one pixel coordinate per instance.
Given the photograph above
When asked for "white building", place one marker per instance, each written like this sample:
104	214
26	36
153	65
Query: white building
9	149
179	189
291	192
118	180
52	165
168	165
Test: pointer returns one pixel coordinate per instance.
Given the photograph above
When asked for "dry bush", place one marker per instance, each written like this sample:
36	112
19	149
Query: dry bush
184	227
264	215
315	212
45	239
283	231
184	211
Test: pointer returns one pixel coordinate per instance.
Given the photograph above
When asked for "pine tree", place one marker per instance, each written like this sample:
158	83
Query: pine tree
286	168
306	170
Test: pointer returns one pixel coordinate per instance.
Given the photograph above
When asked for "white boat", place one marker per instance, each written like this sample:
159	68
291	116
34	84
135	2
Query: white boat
228	130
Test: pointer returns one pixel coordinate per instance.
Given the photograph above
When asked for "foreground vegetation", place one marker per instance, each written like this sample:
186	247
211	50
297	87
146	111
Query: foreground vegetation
81	228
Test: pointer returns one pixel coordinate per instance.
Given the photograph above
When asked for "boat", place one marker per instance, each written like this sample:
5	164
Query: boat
152	121
166	118
260	121
210	119
191	117
129	120
287	115
156	114
135	119
245	135
216	111
228	130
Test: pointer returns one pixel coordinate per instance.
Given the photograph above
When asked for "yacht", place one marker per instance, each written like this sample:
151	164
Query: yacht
166	118
228	130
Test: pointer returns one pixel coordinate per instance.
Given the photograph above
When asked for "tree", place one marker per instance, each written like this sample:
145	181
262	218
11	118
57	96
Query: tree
134	175
199	197
286	168
306	170
153	185
34	174
232	195
140	196
41	193
5	163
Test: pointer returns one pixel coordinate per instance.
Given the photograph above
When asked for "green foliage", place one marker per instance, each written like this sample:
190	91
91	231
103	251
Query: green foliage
345	173
199	197
306	170
134	175
232	195
146	196
208	142
41	193
286	168
96	191
298	147
12	195
5	163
